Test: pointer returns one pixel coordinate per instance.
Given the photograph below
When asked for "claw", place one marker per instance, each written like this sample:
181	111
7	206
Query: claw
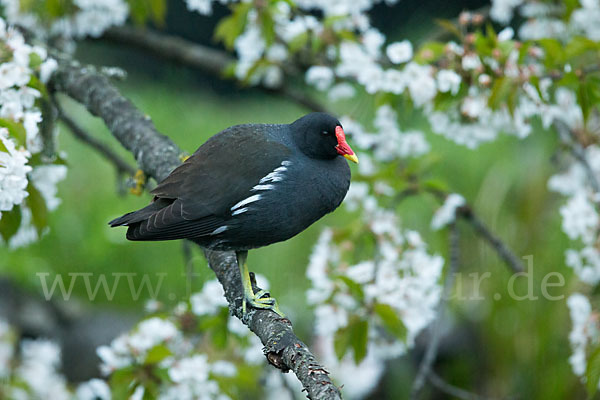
261	293
265	303
255	300
140	181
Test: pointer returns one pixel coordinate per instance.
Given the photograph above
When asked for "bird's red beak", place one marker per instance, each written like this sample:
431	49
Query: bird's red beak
342	147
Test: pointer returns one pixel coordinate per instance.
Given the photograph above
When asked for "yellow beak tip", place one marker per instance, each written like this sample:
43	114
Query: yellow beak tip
352	158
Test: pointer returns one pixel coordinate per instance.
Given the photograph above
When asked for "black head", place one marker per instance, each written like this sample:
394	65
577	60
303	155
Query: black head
319	135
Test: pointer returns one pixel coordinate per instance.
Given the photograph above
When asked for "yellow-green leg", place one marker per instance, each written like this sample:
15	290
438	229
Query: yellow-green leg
254	300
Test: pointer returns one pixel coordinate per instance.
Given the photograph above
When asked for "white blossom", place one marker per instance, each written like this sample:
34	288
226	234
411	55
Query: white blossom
471	61
320	77
13	173
341	91
201	6
45	179
40	360
195	368
580	218
399	52
446	214
223	368
502	10
421	84
506	34
94	389
209	300
582	332
585	263
448	81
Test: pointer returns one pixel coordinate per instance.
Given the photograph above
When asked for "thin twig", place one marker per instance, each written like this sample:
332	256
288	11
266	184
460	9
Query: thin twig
121	165
452	390
467	213
157	155
436	326
497	244
197	56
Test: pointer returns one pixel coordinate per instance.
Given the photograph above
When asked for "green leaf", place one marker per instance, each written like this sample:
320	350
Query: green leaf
298	42
359	331
16	130
10	223
143	10
354	336
570	6
437	185
490	32
35	83
500	92
138	11
341	342
121	382
449	26
554	53
569	79
391	321
583	100
430	52
38	159
58	8
355	288
535	82
157	354
158	10
35	60
592	373
578	46
229	28
39	211
267	27
524	51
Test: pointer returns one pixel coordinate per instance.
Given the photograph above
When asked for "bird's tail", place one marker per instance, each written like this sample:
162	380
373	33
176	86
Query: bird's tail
141	214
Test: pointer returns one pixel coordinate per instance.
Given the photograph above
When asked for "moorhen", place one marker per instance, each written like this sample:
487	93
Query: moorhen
249	186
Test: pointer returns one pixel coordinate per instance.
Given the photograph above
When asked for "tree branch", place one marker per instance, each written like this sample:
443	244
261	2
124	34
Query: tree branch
197	56
282	348
157	155
501	249
451	390
81	134
467	213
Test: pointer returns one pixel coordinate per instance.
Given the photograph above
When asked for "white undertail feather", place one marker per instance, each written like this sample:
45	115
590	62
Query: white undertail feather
220	229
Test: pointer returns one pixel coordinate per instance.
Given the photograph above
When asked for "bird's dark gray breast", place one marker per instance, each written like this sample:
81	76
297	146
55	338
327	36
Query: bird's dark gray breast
281	205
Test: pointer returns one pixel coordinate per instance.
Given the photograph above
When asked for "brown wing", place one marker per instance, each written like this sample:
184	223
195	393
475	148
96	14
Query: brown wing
196	198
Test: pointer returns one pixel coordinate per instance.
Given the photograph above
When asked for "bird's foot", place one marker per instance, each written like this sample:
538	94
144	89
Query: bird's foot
257	300
139	180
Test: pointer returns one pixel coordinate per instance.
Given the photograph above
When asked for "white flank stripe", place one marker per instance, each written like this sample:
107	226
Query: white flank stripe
241	210
277	174
247	200
220	229
263	187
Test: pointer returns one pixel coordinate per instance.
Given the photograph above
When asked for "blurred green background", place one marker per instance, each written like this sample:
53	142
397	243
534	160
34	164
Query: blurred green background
496	346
